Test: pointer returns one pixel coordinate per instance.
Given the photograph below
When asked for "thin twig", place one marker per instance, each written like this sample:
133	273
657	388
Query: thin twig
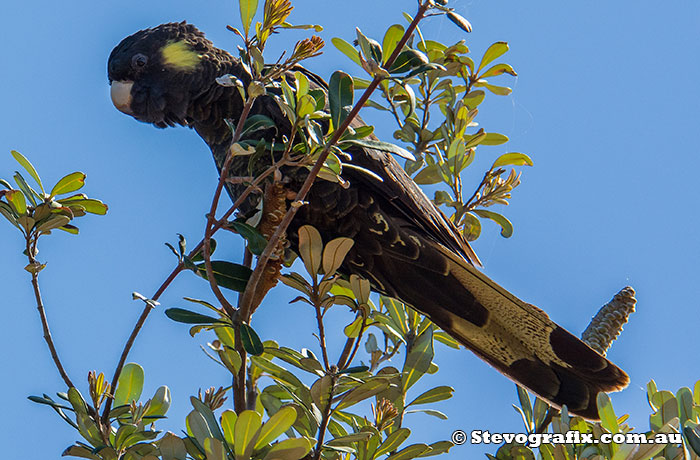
322	336
31	250
324	420
211	217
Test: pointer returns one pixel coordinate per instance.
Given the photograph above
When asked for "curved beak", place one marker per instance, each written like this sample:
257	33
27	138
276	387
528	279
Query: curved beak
121	96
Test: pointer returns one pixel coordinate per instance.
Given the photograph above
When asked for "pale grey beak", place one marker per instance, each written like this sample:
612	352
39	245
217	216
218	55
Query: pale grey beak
121	96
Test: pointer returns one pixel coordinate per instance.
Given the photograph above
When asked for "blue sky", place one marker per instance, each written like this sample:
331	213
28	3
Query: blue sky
606	103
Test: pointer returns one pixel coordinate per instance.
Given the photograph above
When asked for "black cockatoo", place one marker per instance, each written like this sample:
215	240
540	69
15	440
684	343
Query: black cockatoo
403	244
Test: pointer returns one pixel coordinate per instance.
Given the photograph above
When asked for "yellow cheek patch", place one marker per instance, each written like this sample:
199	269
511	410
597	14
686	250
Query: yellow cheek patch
180	55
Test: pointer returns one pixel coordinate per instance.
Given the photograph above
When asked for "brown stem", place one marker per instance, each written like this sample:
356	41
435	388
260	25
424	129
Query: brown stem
322	336
31	247
324	421
211	217
247	298
347	349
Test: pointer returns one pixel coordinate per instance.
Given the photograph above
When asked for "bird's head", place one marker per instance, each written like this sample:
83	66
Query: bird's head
156	74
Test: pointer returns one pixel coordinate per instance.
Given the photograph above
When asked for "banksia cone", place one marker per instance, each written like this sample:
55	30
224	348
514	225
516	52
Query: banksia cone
606	325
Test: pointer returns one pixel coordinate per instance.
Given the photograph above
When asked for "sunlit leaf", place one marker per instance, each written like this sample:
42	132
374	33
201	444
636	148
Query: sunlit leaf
347	49
506	225
418	359
436	394
130	384
393	441
69	183
391	39
514	158
498	69
21	159
247	425
289	449
247	9
276	426
493	52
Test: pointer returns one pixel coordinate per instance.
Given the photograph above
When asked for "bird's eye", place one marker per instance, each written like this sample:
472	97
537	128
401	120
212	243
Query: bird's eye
139	61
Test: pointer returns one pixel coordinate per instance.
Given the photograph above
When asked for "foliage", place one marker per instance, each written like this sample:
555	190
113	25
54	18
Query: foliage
290	404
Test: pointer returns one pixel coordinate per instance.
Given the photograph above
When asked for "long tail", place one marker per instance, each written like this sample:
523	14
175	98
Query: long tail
516	338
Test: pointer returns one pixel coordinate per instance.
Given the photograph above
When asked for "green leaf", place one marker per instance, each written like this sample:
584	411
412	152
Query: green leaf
214	449
334	254
247	425
428	175
160	402
189	317
340	95
506	225
383	146
472	227
493	52
438	448
691	430
228	423
408	60
21	159
362	392
498	69
310	248
525	408
90	205
393	441
29	192
16	199
371	49
172	448
418	359
248	9
349	439
197	427
407	453
391	39
68	184
227	274
130	384
353	329
436	394
289	449
513	158
251	342
607	415
280	422
459	21
256	123
494	139
434	413
256	241
497	90
347	49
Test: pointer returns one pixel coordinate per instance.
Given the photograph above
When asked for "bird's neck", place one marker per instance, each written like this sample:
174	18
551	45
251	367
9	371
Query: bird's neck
216	103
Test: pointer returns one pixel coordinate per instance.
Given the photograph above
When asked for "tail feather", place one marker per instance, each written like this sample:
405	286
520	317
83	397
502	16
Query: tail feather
516	338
